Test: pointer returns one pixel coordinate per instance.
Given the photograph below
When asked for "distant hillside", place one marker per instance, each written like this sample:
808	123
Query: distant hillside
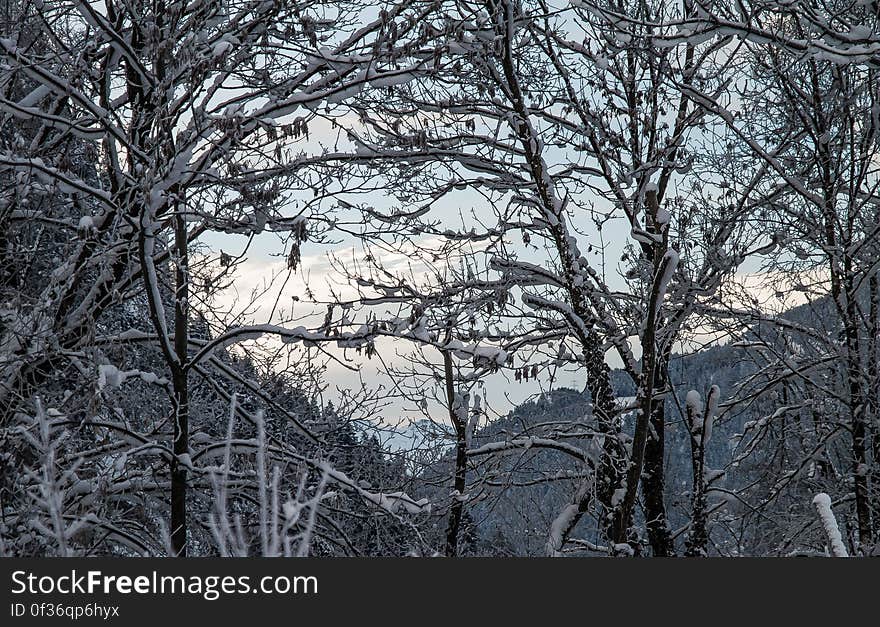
512	514
515	505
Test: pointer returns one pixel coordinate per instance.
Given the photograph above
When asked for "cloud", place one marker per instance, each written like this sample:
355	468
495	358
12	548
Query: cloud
263	288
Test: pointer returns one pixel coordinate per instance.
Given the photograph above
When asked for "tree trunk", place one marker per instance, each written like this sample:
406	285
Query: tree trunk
180	432
653	481
698	538
857	409
649	386
460	478
873	401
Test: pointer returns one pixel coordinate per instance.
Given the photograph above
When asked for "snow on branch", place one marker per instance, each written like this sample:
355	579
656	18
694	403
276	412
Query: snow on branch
822	502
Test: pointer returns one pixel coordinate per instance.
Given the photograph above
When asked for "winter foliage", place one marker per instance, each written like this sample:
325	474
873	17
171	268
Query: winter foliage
593	277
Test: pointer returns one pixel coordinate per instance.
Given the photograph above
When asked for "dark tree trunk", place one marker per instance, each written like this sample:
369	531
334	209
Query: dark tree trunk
653	480
874	399
180	431
460	478
650	384
612	465
698	537
857	403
